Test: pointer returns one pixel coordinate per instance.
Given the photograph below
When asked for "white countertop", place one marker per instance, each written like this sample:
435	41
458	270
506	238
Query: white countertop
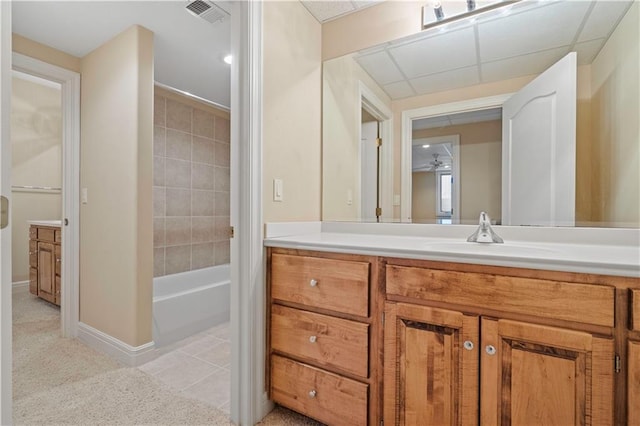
588	250
56	223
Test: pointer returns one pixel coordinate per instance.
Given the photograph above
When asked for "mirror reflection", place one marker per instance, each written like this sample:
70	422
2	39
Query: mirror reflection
413	84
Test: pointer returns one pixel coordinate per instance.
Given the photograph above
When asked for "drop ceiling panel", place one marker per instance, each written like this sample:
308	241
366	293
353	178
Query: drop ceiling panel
434	54
325	10
446	80
476	116
381	67
588	50
538	29
431	123
399	90
602	18
534	63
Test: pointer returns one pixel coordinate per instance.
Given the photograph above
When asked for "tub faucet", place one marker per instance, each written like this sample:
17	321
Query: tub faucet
484	233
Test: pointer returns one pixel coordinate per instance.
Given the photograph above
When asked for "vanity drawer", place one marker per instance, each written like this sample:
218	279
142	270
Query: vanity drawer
33	253
634	309
337	285
46	234
327	397
327	341
585	303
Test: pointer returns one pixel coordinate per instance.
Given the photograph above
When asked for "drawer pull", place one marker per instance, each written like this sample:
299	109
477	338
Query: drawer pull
490	350
32	253
58	260
468	345
313	283
313	339
312	394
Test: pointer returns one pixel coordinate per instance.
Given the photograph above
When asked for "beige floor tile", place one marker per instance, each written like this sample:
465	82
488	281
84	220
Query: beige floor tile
222	331
187	371
161	363
226	407
214	389
204	343
219	355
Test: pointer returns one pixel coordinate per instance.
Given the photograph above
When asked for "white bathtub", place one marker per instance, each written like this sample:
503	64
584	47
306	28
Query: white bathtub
189	302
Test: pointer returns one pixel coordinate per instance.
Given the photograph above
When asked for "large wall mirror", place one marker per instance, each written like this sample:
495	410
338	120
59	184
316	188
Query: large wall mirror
529	112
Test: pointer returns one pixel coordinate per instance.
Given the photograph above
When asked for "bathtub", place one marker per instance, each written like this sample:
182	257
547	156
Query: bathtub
189	302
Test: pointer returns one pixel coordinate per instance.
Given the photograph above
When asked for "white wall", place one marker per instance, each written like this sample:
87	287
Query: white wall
36	139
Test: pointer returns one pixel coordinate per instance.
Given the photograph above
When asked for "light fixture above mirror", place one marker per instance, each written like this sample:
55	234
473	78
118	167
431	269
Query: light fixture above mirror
437	12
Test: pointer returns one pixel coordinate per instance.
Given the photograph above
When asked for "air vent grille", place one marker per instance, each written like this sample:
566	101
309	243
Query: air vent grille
208	11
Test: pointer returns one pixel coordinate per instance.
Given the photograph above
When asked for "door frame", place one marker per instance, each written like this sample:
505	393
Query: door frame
407	136
70	93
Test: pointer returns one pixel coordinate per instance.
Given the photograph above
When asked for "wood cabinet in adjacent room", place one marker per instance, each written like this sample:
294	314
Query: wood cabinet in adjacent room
45	262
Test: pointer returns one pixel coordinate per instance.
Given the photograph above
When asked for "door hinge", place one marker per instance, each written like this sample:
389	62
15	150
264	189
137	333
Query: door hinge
378	211
231	232
378	142
4	212
616	362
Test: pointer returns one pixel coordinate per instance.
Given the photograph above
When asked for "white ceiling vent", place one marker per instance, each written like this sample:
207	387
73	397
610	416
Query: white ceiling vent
208	10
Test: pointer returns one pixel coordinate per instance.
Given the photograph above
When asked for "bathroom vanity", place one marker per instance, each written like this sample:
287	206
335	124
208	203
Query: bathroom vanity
422	330
45	258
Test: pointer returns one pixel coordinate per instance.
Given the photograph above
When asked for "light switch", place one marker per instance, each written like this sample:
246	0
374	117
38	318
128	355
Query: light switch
84	196
277	190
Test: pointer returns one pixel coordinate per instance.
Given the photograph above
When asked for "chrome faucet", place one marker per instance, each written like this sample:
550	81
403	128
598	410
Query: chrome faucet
484	233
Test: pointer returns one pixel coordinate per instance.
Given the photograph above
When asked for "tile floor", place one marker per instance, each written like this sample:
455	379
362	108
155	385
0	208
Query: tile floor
198	367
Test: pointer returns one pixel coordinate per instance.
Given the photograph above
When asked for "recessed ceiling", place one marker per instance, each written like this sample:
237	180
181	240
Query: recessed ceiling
325	11
523	39
188	50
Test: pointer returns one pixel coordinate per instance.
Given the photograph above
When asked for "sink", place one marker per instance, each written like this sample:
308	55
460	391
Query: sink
506	249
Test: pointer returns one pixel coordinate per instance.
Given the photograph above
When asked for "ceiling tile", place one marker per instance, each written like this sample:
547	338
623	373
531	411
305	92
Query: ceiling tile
533	30
399	90
380	67
446	80
431	122
434	54
588	50
519	66
326	10
476	116
603	17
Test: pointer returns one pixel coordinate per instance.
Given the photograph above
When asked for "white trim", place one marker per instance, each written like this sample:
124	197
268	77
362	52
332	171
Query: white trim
70	92
192	96
432	111
131	356
382	113
19	284
249	402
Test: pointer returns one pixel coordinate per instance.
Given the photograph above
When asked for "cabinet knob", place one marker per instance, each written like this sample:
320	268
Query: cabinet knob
468	345
490	350
312	394
313	283
58	260
313	339
32	252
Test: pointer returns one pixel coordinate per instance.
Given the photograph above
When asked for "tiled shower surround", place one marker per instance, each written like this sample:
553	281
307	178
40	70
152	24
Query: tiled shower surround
190	185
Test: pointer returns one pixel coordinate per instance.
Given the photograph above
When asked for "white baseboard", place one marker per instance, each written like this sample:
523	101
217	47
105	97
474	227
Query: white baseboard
20	284
117	349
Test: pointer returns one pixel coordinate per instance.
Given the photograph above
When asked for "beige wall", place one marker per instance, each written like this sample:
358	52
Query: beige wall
341	125
615	116
44	53
480	167
190	185
116	242
291	111
423	197
36	141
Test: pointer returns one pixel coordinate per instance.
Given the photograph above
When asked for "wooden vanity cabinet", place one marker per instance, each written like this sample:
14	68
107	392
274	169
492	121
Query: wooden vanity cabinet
324	344
45	261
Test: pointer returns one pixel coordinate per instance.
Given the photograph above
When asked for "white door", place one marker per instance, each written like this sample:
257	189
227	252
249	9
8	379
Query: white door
538	149
369	175
5	234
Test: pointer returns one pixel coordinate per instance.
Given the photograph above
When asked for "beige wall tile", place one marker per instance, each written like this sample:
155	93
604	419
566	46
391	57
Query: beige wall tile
221	204
159	141
201	255
202	229
223	132
221	253
202	203
159	232
158	261
222	154
203	150
178	145
178	116
159	201
158	171
221	228
203	123
202	176
178	202
178	231
178	173
221	179
177	259
159	111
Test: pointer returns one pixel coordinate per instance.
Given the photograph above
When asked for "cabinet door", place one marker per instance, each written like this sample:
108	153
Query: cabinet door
46	274
534	374
633	383
430	366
